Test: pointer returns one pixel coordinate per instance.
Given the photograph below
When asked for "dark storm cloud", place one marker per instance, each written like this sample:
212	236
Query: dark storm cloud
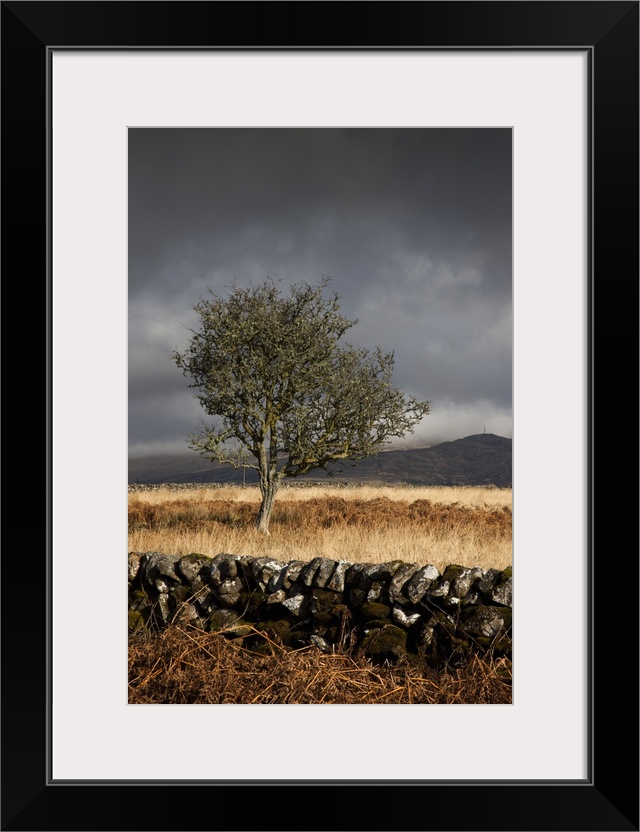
414	227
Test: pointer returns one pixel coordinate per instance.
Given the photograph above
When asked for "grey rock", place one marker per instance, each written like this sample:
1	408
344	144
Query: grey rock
461	585
323	573
485	621
269	570
503	593
375	591
231	586
276	581
403	618
186	613
263	570
189	566
134	565
352	575
441	590
162	607
256	567
417	586
427	635
277	597
156	565
229	621
367	575
308	572
224	618
197	585
215	578
392	567
292	572
207	601
228	593
297	604
377	572
227	566
404	573
337	580
490	579
320	643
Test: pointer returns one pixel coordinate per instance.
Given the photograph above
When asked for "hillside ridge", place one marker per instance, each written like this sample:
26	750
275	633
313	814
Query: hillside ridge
479	459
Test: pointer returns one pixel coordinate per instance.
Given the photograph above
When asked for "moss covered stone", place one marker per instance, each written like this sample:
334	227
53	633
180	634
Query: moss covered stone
372	609
332	634
225	620
460	643
323	600
453	571
139	600
136	621
279	629
181	594
252	601
323	619
500	646
507	616
357	597
376	624
485	622
386	642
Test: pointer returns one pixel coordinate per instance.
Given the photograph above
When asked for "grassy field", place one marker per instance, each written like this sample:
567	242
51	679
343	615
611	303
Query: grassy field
471	526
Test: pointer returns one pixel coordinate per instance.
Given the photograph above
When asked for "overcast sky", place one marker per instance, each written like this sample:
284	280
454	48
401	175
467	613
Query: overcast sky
412	225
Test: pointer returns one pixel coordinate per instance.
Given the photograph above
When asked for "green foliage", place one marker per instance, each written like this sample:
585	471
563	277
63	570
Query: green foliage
289	396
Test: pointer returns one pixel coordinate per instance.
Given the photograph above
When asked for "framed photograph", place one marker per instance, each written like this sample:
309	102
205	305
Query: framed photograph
562	78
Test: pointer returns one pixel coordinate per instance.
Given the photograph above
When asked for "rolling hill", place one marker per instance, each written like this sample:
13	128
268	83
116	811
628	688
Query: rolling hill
481	459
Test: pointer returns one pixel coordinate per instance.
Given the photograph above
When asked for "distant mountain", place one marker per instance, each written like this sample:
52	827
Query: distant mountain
481	459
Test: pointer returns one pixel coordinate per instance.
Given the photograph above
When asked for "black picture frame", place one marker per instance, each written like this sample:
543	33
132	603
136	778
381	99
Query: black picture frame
608	798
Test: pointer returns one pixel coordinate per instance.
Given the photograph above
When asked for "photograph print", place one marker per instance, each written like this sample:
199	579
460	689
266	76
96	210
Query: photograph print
320	328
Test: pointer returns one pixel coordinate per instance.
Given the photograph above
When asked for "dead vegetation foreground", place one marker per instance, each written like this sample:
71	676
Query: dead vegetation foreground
183	665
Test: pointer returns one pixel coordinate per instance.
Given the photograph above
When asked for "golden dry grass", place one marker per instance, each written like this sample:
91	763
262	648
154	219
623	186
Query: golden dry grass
187	666
469	526
473	496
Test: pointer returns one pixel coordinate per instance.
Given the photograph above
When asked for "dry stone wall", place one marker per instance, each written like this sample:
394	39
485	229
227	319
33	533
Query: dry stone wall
385	610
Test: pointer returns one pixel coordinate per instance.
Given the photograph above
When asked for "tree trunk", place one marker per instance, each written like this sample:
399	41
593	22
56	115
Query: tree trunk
268	495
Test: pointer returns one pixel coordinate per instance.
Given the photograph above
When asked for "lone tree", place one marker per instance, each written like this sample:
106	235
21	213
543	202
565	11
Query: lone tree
285	389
